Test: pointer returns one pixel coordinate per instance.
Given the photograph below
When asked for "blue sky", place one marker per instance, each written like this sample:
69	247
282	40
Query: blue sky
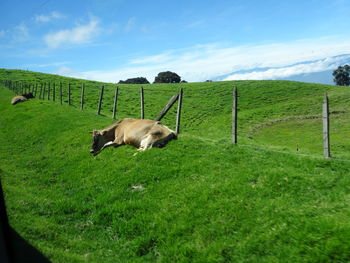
111	40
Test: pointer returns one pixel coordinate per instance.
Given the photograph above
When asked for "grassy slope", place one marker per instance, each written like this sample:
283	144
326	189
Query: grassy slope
279	115
202	201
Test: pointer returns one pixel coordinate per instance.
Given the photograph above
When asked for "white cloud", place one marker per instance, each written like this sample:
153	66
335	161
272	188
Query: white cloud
156	59
2	33
68	72
130	24
78	35
20	33
291	70
47	18
202	62
54	64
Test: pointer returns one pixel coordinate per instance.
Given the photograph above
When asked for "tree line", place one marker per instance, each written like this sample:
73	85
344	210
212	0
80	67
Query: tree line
341	77
162	77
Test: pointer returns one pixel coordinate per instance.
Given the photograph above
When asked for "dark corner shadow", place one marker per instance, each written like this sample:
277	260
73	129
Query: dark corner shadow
13	248
22	251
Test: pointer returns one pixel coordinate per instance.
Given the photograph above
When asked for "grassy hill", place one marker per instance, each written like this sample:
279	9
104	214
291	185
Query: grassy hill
203	199
280	115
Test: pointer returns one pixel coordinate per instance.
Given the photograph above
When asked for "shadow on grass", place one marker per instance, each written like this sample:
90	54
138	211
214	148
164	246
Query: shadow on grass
13	248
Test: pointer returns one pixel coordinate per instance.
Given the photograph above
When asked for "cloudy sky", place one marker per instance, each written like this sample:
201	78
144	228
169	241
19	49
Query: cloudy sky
111	40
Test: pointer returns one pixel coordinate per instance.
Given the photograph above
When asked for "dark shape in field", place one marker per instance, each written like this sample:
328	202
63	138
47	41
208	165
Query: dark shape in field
13	248
143	134
22	98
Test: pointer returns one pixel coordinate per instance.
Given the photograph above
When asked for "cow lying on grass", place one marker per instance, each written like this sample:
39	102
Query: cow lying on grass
143	134
22	98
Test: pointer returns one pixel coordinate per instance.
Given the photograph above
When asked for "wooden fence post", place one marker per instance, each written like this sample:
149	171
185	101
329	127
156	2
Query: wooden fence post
36	89
178	113
44	90
234	116
82	97
325	117
41	90
48	91
61	93
115	102
54	92
69	94
100	101
142	103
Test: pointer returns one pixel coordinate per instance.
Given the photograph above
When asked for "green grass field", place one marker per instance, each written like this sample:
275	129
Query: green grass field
203	199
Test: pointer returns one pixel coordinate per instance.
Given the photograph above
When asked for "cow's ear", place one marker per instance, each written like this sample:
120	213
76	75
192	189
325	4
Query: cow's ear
103	132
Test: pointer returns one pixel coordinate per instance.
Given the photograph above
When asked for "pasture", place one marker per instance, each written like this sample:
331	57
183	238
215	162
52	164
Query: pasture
273	198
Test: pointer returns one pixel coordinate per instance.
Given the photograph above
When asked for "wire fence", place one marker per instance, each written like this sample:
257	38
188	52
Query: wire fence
116	102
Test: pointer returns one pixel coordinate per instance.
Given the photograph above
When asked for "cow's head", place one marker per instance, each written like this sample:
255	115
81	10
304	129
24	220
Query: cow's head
28	95
98	141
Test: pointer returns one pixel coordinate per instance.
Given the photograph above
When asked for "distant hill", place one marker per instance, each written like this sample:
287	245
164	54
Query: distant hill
322	77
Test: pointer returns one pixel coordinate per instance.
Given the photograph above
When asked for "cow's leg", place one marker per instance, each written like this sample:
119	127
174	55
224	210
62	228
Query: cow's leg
109	144
146	143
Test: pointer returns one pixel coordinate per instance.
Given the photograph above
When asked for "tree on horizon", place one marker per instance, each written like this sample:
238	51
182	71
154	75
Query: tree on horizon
139	80
167	77
342	75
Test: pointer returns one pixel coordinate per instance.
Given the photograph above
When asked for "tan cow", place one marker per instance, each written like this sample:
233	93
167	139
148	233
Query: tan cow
21	98
143	134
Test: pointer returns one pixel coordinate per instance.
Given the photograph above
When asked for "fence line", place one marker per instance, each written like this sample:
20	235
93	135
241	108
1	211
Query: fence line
40	90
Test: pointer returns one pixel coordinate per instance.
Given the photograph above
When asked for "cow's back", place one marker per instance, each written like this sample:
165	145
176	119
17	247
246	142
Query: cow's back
17	99
133	131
